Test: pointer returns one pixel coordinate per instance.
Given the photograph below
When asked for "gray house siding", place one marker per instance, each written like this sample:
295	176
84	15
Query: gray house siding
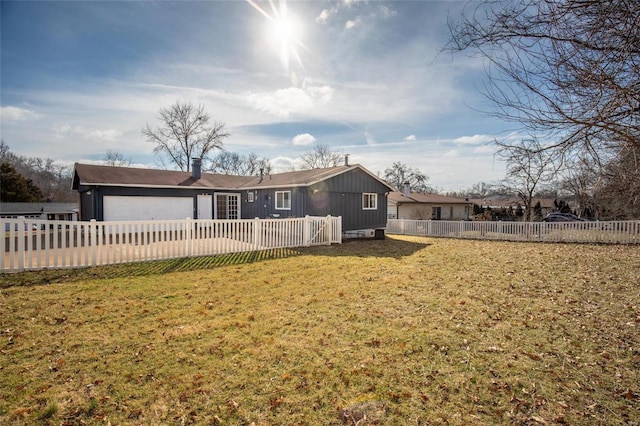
337	196
342	196
264	204
355	181
349	206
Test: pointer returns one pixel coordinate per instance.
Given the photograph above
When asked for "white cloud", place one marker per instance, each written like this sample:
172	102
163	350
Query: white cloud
410	138
451	154
63	130
108	135
292	100
322	94
474	140
325	15
18	114
282	102
60	130
303	139
283	164
352	23
485	149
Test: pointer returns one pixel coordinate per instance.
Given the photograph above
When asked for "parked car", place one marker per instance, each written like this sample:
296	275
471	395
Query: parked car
562	217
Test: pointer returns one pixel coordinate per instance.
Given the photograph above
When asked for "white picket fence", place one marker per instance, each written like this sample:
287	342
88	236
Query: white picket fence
32	244
614	232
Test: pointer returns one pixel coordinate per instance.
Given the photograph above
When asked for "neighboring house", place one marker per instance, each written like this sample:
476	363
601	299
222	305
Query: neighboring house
123	193
411	205
44	211
505	203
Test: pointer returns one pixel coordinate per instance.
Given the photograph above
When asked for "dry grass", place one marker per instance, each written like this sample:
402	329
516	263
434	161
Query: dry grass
401	331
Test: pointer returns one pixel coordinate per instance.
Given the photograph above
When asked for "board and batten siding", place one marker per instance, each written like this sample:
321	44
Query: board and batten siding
264	204
342	196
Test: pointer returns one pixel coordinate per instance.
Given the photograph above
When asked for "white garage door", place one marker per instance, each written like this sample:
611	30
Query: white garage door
116	207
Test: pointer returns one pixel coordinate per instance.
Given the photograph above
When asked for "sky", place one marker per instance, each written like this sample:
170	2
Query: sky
366	78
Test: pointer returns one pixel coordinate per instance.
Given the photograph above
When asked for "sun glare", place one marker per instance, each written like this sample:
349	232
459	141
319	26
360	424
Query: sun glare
283	31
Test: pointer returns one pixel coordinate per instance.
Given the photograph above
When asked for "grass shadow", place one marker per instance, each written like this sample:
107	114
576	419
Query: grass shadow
389	247
394	247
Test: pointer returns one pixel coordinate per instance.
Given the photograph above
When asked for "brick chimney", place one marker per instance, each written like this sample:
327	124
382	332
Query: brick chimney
196	168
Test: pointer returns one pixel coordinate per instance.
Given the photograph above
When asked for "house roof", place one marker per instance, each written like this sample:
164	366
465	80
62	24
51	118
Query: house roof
414	197
91	175
36	208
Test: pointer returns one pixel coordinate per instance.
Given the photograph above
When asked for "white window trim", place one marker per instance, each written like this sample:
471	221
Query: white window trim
369	196
250	196
215	203
276	200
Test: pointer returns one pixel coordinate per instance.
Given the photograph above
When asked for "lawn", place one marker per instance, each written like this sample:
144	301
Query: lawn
407	330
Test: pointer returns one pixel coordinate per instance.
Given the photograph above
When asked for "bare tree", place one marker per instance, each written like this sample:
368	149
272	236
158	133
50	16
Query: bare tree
4	150
581	180
231	163
480	189
529	167
53	179
185	133
399	174
567	71
618	192
322	156
116	158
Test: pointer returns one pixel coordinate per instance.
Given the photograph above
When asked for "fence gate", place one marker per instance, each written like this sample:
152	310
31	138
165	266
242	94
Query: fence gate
319	231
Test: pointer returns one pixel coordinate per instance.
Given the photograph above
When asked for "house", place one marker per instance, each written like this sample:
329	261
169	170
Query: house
412	205
123	193
506	208
44	211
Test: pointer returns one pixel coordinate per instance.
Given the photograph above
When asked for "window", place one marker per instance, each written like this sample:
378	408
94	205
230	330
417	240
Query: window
436	213
250	196
283	200
369	201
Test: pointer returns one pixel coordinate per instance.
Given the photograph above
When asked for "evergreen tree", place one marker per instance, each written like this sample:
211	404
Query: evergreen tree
15	188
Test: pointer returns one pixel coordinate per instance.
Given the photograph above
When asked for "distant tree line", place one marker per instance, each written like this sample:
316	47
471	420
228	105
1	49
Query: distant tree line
33	179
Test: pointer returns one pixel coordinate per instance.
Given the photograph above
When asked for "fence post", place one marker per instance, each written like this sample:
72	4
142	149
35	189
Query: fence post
94	240
257	232
187	236
21	236
306	233
329	228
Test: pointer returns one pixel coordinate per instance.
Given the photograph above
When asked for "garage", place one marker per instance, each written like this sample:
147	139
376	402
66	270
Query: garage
127	208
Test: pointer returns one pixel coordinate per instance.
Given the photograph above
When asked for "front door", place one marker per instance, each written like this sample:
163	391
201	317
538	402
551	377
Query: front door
227	206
